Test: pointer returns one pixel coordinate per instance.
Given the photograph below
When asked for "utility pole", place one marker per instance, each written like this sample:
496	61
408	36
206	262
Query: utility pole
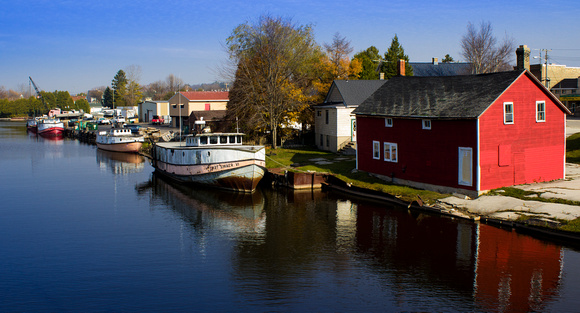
547	79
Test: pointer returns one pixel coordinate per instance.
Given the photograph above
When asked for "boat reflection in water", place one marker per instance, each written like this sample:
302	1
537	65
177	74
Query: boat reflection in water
230	211
119	162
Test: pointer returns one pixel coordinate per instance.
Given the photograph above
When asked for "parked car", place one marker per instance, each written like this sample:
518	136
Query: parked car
157	120
118	119
103	121
133	127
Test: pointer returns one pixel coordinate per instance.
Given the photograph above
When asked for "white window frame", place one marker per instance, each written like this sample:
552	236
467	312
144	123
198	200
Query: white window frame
506	114
376	150
460	179
390	152
388	122
542	112
426	124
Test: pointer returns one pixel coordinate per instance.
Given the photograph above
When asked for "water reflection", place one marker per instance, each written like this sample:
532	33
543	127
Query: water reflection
285	240
120	163
516	272
204	207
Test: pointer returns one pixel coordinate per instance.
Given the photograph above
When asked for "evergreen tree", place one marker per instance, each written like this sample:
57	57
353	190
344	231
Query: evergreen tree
370	59
448	59
108	98
119	84
392	56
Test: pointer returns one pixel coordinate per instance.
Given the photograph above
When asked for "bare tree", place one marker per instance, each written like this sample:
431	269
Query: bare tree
481	49
338	53
173	82
133	74
157	90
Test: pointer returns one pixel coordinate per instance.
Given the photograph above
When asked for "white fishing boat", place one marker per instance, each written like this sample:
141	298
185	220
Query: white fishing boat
214	159
50	127
119	140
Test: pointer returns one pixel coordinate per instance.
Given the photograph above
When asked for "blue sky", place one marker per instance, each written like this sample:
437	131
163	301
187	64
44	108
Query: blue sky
78	45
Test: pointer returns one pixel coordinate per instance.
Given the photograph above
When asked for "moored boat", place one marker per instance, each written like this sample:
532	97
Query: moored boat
119	140
50	127
214	159
31	125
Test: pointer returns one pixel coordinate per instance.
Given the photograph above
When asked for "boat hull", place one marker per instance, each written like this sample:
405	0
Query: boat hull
129	147
236	169
31	126
50	128
119	140
242	176
51	131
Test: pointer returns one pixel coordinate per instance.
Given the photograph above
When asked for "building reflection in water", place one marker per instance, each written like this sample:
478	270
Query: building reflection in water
286	241
502	271
515	272
120	163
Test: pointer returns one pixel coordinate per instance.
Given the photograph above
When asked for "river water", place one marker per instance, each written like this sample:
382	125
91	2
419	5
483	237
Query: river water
84	230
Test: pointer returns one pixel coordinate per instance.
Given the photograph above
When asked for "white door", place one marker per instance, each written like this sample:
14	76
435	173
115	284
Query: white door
465	166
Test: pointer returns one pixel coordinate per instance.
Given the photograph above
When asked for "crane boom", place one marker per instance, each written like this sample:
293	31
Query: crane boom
38	92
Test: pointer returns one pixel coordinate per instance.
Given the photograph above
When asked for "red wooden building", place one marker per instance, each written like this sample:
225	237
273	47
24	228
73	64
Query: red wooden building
466	134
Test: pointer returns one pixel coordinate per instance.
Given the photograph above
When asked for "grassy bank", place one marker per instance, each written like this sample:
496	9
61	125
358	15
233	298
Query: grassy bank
342	167
573	149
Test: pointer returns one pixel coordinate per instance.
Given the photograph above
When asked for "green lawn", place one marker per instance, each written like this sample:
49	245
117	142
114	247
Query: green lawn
573	149
342	167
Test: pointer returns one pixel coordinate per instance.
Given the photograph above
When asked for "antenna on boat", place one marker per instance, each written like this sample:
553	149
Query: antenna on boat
180	117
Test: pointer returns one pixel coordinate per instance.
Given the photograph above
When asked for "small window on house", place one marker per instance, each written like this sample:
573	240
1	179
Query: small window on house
326	116
508	113
376	150
319	113
390	152
426	124
540	111
388	122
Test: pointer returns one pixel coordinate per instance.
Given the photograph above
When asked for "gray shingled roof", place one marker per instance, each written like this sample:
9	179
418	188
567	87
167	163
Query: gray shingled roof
437	97
354	92
440	69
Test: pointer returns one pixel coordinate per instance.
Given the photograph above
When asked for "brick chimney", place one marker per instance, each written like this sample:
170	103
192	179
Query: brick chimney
401	67
382	76
523	58
435	61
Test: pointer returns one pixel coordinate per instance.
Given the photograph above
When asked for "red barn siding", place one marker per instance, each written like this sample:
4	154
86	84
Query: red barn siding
424	156
537	148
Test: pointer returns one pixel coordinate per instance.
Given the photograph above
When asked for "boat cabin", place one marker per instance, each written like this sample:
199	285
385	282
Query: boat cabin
214	139
117	132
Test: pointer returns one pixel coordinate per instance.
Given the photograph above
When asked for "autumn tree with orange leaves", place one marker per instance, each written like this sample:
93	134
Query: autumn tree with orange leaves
275	64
